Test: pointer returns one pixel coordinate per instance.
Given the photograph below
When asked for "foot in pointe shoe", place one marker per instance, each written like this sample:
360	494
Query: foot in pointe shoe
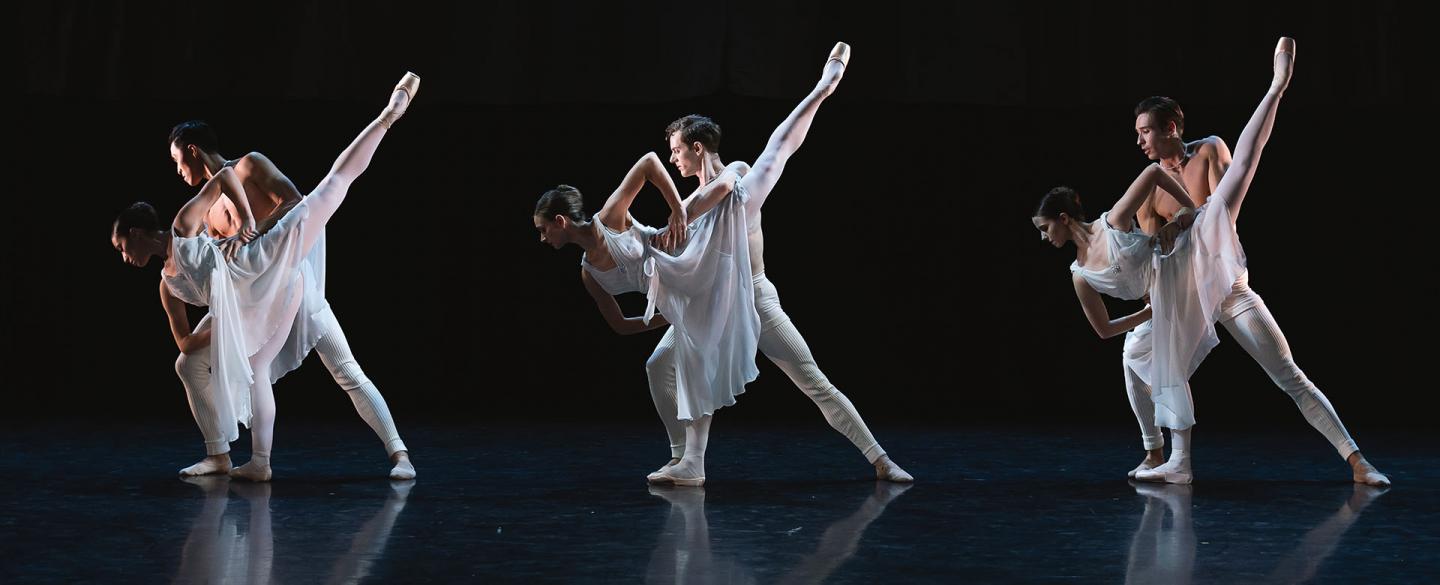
400	99
830	76
1284	63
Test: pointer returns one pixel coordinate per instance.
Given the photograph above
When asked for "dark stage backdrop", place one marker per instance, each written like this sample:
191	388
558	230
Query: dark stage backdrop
899	237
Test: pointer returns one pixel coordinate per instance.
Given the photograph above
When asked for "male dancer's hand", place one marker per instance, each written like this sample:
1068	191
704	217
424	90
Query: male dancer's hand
230	246
678	224
1167	235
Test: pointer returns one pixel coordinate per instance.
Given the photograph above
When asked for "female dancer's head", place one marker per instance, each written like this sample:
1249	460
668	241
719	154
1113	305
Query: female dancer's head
692	139
1058	215
558	212
136	234
188	141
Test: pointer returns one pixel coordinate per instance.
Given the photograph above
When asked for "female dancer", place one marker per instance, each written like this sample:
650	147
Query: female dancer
1186	281
723	348
253	290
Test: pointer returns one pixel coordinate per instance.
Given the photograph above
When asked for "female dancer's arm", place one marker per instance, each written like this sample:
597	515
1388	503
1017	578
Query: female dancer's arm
1183	219
180	323
611	310
1099	316
647	169
1122	215
192	216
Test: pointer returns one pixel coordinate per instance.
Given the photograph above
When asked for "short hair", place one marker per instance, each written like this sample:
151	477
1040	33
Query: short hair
1162	109
195	133
696	128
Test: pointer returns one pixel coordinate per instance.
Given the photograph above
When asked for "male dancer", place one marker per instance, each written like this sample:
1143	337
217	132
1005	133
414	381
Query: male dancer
195	149
694	150
1199	165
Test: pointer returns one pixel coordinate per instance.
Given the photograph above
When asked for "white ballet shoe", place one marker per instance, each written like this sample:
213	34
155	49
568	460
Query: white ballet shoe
207	466
887	470
1145	465
403	469
1176	470
410	84
654	476
677	476
1368	475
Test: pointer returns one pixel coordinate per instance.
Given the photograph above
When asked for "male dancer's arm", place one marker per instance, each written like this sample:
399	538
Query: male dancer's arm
705	198
1215	155
264	174
611	310
708	196
180	323
1099	316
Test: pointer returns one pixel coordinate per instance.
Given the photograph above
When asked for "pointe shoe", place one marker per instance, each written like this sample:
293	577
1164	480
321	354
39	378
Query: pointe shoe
840	53
410	84
1286	46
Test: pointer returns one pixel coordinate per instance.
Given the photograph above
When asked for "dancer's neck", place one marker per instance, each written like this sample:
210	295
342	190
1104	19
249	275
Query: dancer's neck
1174	156
213	163
163	239
711	168
1080	235
585	236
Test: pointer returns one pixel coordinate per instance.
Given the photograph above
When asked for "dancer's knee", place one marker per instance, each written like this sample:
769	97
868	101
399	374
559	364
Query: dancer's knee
349	375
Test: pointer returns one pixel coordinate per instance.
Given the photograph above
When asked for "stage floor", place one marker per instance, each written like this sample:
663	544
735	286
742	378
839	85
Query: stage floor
568	504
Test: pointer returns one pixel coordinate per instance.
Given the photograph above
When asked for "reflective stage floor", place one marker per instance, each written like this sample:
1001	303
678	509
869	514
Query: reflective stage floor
569	504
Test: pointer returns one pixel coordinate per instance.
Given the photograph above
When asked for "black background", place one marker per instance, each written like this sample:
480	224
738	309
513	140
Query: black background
899	236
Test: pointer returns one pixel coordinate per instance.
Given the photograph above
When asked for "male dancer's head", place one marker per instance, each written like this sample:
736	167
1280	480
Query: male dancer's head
1159	124
694	143
137	235
196	151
